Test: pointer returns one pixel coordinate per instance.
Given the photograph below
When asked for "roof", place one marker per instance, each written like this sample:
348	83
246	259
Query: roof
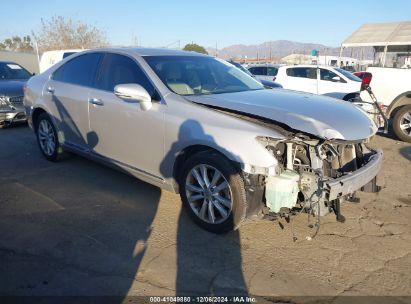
323	66
380	34
148	51
161	52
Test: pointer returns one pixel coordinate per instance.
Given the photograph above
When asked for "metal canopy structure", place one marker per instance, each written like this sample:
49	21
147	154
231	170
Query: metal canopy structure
384	37
380	34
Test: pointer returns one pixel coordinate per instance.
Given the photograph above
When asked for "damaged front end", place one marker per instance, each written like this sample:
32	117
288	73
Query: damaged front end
316	175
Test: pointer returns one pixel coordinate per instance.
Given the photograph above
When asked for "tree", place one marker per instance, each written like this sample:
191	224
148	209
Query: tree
61	33
17	43
195	48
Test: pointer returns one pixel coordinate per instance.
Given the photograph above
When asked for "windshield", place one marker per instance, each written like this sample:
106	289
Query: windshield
195	75
9	70
348	75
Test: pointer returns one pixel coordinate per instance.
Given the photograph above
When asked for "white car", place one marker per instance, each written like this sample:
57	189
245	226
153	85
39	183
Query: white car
322	80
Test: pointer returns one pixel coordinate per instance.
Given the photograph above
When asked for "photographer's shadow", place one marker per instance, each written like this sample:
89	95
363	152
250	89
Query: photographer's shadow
207	264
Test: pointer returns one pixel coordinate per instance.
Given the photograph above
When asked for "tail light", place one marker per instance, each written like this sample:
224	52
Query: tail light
366	80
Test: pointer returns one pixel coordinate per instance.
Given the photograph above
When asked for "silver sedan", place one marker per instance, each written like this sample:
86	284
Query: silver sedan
198	126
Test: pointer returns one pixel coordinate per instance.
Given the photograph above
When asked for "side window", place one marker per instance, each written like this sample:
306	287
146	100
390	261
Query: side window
253	70
310	73
258	70
272	71
80	70
119	69
327	75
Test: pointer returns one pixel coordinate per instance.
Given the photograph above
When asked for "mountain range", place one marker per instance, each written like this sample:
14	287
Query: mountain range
281	48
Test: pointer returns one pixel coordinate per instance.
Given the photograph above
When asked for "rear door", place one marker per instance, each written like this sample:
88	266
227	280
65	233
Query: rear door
302	79
121	131
67	94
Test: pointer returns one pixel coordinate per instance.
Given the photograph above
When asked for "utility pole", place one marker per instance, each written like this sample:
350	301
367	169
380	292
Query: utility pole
270	50
216	54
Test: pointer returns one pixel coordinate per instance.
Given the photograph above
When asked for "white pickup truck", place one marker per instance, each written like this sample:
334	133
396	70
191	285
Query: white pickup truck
392	88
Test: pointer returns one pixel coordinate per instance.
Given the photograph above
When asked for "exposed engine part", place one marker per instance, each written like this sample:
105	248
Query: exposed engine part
336	207
254	187
312	165
282	191
290	159
352	198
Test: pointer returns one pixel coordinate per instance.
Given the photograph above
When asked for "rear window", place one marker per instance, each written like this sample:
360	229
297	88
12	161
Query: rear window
310	73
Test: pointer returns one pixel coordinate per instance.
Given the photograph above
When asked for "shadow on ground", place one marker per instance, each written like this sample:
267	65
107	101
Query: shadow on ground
79	228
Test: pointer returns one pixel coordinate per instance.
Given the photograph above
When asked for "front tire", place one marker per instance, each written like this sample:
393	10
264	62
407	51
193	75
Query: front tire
47	138
402	123
213	193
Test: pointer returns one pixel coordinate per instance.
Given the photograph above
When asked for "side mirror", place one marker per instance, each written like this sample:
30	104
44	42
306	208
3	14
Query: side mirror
133	92
336	79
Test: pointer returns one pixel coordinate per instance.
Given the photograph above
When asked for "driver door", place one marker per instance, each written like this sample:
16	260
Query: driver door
120	130
330	83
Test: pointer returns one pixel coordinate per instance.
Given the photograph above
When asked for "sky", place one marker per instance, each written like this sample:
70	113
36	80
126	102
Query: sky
207	22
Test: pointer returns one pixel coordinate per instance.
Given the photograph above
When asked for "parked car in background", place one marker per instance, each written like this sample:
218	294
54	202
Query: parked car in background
198	126
50	58
392	88
264	71
322	80
266	83
348	68
12	79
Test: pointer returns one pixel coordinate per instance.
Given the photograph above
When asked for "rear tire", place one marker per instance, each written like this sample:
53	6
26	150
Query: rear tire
401	123
213	193
47	138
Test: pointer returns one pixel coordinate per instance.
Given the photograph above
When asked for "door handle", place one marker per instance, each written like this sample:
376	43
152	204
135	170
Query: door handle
50	90
96	101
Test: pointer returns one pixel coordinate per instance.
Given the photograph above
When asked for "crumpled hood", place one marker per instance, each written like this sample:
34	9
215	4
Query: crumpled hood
12	87
324	117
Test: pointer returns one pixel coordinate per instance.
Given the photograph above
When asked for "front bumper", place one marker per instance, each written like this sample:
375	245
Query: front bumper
10	116
339	187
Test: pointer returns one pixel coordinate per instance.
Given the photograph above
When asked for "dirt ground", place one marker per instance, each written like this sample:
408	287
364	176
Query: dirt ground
78	228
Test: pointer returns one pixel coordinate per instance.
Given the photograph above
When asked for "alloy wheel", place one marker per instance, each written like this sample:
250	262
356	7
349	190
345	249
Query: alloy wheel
405	123
47	137
209	194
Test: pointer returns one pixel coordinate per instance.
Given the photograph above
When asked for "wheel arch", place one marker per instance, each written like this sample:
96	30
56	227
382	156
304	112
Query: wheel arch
399	101
35	115
187	152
